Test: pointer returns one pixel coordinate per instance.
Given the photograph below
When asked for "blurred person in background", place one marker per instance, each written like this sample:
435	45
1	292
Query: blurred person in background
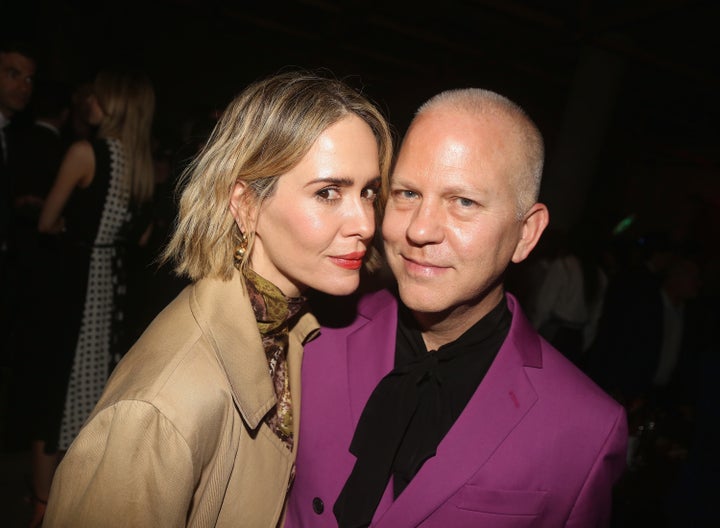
91	210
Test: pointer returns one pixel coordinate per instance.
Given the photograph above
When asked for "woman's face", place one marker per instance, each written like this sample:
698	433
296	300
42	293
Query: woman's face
313	232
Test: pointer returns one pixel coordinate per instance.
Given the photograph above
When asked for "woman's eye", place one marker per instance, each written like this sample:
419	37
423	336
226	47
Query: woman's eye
370	193
328	193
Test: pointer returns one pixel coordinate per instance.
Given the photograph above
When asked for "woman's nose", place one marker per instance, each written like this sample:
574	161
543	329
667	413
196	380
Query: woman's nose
361	220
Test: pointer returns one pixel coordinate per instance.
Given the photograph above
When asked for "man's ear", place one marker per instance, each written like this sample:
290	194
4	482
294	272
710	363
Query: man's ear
533	225
241	205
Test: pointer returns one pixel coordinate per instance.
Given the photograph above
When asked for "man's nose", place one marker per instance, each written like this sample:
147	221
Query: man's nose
426	224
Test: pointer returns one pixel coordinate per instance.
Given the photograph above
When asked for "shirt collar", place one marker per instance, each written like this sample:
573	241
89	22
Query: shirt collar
47	125
476	334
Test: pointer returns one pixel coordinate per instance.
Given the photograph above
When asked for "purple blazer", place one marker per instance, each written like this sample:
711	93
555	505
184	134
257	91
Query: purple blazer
539	444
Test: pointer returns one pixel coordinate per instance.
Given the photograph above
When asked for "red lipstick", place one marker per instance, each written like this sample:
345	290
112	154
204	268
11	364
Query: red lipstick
351	261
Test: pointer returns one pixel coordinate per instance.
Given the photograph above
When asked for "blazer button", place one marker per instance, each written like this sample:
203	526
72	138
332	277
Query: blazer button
318	505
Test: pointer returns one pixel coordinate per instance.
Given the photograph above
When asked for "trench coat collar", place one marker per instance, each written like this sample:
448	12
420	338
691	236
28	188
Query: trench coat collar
222	310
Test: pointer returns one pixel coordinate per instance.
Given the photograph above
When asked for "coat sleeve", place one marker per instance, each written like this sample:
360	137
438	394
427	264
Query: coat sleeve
129	466
594	503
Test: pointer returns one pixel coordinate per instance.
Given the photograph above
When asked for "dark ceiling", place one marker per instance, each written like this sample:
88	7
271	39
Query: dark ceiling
648	69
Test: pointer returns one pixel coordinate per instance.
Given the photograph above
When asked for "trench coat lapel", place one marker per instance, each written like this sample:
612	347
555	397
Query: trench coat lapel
223	311
302	332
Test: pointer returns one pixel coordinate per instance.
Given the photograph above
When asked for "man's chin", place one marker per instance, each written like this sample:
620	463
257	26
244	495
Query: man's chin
421	300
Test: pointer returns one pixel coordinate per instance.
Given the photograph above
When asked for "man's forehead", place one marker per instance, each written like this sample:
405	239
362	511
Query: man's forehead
449	144
17	60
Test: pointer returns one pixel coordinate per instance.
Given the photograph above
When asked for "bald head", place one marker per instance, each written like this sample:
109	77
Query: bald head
522	143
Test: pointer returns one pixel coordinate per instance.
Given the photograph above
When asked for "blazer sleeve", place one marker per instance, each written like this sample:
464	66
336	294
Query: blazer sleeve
594	502
129	466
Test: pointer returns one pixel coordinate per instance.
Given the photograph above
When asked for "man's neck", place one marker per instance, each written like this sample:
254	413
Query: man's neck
441	328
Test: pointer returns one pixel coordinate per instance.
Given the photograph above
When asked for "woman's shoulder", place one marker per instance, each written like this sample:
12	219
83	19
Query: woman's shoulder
79	150
173	327
172	365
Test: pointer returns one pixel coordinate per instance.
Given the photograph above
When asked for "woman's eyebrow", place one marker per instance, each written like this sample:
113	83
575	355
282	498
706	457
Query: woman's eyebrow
344	182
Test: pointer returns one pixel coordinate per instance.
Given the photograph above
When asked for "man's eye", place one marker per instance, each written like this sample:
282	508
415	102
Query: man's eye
404	194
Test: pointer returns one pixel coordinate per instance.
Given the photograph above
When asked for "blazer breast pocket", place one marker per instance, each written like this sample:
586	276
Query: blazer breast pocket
475	506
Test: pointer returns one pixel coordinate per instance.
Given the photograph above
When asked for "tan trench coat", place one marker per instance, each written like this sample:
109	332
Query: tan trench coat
177	438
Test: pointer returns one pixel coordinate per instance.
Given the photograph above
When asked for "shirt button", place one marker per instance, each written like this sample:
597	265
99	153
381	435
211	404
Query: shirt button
318	505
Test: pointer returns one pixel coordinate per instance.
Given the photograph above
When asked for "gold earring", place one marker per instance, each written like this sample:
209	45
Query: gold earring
241	249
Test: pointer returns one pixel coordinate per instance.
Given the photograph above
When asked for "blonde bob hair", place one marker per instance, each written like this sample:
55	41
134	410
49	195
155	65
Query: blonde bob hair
127	100
262	134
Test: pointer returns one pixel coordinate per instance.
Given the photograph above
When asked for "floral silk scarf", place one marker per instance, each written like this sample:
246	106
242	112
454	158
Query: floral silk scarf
273	312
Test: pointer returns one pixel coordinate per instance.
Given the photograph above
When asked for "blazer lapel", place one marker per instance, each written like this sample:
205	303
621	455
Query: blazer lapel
501	401
370	349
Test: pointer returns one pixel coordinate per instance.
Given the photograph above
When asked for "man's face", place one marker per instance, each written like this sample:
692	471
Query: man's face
451	224
16	82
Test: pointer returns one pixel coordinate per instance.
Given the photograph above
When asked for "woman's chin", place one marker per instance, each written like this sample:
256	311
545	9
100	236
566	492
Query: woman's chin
346	286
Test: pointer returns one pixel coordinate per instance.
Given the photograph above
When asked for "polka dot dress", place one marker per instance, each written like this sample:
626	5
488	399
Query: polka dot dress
92	354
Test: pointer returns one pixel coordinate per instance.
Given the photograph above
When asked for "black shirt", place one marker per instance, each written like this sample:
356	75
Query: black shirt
413	407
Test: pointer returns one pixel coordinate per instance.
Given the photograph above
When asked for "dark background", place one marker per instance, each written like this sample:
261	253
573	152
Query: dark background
624	91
